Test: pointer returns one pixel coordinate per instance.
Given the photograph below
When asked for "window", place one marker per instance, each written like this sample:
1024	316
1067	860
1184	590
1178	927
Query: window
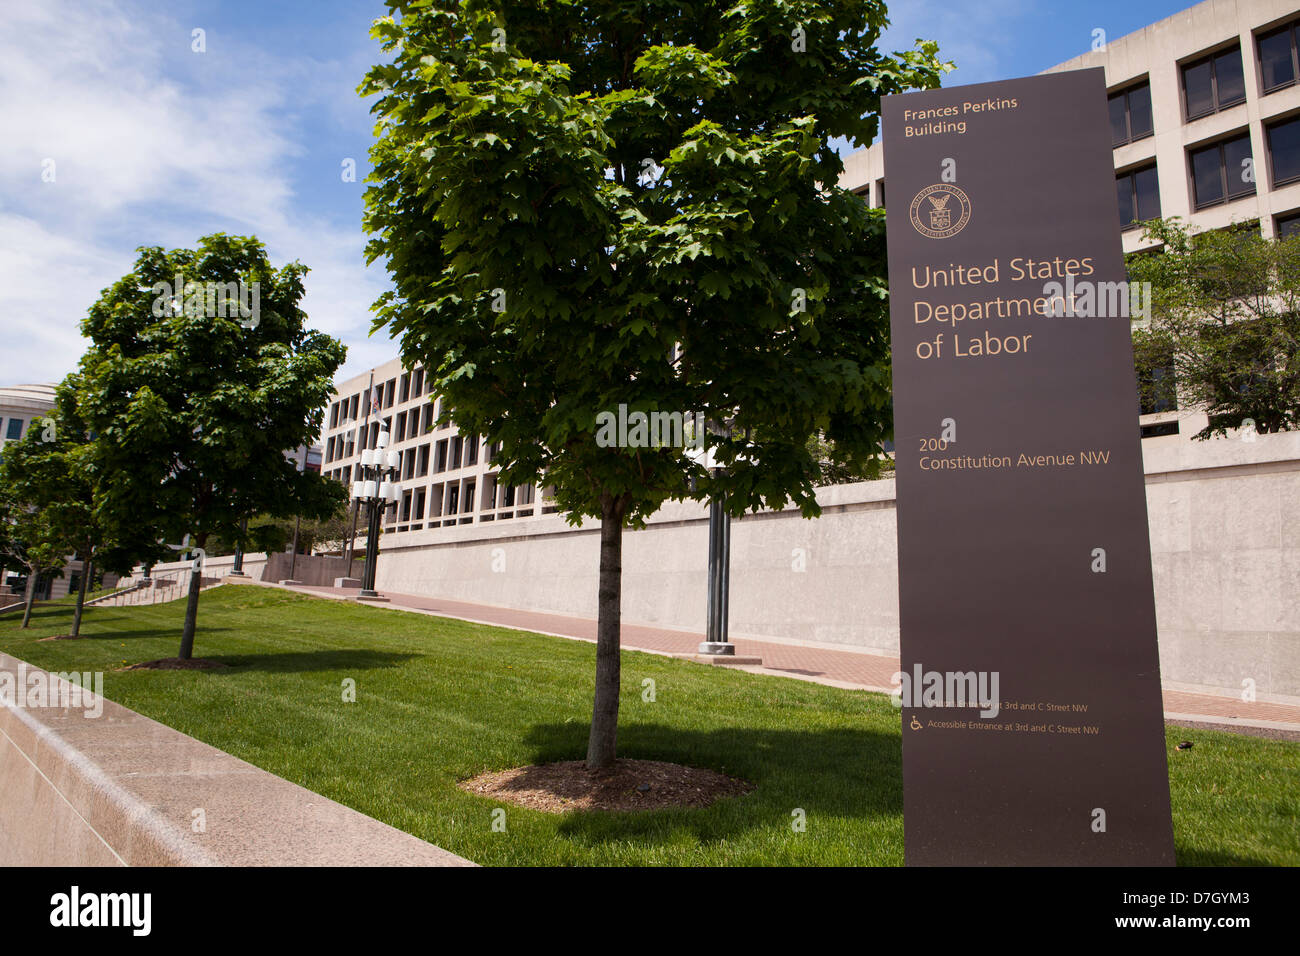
1139	197
1130	115
1158	429
457	446
1285	227
880	194
1284	151
1222	172
1156	385
14	431
390	392
471	450
1213	83
334	415
418	388
423	467
401	427
1278	66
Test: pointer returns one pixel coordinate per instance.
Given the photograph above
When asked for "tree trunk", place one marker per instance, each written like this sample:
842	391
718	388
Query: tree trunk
191	613
87	569
31	596
602	743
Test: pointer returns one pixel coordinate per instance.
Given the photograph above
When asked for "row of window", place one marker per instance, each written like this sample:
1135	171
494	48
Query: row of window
398	390
1209	84
457	499
458	451
1220	172
406	425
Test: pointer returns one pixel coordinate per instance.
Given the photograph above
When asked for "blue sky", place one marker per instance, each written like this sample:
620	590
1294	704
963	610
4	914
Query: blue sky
155	144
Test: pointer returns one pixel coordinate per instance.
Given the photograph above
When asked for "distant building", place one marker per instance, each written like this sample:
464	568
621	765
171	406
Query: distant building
1205	125
446	478
20	405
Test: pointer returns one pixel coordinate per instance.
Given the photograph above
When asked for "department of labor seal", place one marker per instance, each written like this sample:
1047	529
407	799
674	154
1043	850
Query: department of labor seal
940	211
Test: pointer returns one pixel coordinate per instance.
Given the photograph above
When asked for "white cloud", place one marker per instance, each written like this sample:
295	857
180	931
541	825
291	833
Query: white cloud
155	145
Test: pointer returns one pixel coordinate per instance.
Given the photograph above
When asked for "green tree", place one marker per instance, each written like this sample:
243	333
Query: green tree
591	204
1225	316
267	533
194	401
53	469
29	541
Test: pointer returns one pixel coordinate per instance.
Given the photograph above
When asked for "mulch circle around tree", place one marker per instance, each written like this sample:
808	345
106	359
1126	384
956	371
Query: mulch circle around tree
628	785
175	664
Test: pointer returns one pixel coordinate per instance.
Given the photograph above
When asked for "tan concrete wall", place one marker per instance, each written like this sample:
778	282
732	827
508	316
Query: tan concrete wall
1225	535
312	569
121	789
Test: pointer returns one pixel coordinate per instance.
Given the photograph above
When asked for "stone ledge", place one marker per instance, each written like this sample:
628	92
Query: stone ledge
121	789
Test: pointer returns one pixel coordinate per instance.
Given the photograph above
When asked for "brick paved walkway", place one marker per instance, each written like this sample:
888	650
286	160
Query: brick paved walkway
838	668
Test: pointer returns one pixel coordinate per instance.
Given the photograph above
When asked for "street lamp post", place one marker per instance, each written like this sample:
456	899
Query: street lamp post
716	643
376	489
238	569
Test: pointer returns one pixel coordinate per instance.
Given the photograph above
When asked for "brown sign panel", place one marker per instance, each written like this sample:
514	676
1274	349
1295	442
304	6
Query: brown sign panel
1032	722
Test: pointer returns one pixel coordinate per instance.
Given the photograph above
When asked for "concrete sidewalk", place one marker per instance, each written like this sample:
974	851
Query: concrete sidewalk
848	668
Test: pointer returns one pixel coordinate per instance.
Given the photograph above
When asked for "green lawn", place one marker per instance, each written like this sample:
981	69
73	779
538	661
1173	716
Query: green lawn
441	700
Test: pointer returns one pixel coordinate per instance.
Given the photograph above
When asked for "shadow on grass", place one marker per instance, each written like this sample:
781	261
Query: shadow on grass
45	628
841	772
1196	857
296	662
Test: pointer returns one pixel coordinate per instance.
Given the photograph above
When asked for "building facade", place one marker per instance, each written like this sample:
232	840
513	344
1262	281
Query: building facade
20	405
446	478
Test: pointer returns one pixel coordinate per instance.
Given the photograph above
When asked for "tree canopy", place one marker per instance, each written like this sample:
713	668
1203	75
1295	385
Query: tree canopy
586	205
1225	317
194	404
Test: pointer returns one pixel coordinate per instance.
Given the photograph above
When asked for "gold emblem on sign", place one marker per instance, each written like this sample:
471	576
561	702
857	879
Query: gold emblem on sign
940	211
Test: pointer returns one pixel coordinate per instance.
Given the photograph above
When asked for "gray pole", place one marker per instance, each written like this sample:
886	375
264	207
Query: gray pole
719	580
239	549
297	521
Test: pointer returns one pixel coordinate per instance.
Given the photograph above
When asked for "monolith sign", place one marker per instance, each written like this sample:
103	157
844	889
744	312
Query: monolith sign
1030	679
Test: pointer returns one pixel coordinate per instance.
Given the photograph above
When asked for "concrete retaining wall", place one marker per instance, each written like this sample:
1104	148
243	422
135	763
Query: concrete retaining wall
317	570
119	789
1225	536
